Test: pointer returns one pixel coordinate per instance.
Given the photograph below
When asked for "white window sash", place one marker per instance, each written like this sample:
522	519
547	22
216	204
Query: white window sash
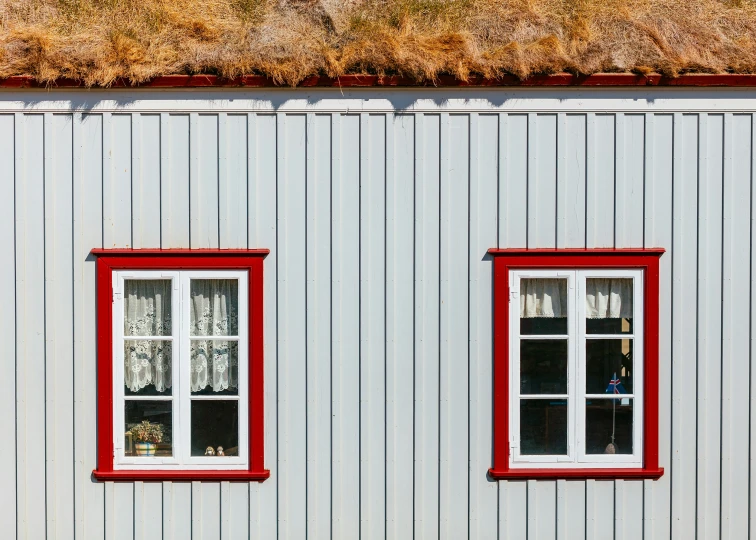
576	370
180	390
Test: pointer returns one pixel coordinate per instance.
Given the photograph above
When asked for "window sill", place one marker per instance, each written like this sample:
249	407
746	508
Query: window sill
581	474
163	475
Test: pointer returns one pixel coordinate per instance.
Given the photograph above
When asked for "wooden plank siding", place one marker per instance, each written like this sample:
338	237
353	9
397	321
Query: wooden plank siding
378	302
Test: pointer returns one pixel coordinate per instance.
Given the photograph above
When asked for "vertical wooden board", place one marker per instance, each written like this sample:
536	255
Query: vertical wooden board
177	510
709	321
59	389
203	181
628	510
116	185
262	155
600	154
88	234
735	325
752	381
570	508
119	511
292	327
174	180
427	321
542	180
513	509
399	328
684	257
232	168
148	510
484	145
372	326
513	180
235	510
658	231
146	182
454	452
599	509
8	495
210	513
628	520
630	169
571	177
30	330
542	507
318	326
346	326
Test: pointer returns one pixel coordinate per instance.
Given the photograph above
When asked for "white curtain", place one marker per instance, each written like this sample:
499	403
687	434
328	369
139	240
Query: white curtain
214	312
147	312
543	297
608	298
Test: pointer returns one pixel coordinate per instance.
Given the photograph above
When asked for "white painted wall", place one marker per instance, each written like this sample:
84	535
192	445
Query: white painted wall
378	208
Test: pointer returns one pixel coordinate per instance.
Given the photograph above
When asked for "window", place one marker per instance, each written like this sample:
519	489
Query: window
576	367
180	393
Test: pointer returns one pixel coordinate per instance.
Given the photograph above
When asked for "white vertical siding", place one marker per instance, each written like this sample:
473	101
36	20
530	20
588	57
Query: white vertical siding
378	313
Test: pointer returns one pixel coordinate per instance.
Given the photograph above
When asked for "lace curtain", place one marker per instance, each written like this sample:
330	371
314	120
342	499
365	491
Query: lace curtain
214	312
543	297
147	312
608	298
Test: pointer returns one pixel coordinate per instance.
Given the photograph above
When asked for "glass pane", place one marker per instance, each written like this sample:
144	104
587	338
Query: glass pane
214	367
543	306
543	366
609	306
609	360
148	428
609	426
215	428
543	427
214	307
147	367
147	307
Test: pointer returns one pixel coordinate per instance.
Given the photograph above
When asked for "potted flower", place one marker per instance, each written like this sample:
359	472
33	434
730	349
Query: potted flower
147	436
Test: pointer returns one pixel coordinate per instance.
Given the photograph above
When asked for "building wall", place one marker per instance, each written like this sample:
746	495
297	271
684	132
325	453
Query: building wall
378	208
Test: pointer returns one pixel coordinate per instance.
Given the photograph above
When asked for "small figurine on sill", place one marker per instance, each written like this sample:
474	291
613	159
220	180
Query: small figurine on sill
209	451
219	451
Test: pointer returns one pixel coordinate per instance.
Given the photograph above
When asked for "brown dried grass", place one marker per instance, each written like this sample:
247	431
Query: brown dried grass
98	41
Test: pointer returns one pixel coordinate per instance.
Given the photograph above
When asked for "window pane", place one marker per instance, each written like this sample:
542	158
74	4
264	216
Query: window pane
147	367
543	306
608	420
147	307
543	427
214	307
605	359
214	367
215	424
543	366
148	428
609	306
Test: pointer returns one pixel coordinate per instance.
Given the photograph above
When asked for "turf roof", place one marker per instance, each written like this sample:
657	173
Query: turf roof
101	41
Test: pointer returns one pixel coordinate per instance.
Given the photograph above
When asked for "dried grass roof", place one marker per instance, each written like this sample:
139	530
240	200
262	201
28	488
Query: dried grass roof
99	41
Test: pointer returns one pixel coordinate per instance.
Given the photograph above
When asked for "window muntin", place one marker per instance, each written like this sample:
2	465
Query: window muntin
196	382
580	325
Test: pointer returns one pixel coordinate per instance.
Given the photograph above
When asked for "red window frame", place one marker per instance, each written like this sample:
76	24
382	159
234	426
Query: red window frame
109	260
505	260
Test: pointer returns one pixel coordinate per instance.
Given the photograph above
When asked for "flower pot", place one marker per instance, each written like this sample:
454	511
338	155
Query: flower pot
145	448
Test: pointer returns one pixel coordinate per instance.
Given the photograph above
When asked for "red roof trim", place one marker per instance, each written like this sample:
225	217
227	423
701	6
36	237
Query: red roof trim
357	81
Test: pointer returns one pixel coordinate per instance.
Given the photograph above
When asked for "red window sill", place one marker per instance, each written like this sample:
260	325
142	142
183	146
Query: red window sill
582	474
158	476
